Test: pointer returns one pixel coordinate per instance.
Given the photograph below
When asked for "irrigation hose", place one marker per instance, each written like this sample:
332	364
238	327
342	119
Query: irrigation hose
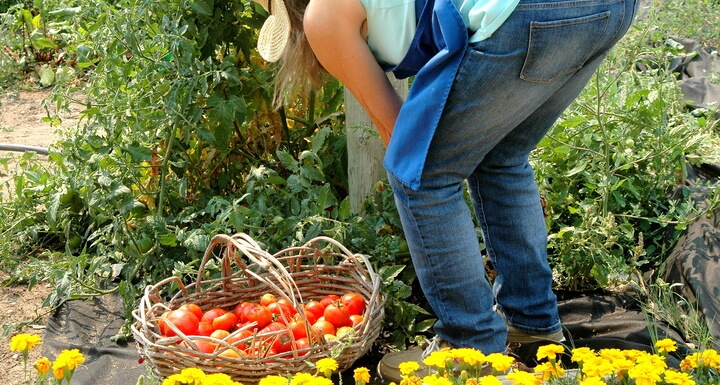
23	148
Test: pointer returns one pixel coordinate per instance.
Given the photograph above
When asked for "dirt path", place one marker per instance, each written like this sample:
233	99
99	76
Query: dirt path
21	124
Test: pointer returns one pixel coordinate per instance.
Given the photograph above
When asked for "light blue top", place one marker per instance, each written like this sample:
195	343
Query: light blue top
392	24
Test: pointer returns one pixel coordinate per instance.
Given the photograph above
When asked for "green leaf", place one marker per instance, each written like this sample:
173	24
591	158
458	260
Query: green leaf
203	7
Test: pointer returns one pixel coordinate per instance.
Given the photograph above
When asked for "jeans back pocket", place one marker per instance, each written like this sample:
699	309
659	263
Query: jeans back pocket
578	37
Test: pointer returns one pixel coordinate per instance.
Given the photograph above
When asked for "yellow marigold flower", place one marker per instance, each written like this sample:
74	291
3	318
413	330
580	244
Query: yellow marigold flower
523	378
219	379
326	366
710	358
622	366
500	362
597	367
489	380
361	375
550	351
273	380
438	358
549	371
22	342
581	355
635	355
611	354
58	372
469	356
666	345
70	358
434	379
592	381
678	378
472	381
411	380
689	363
301	379
43	365
408	368
644	374
173	379
319	381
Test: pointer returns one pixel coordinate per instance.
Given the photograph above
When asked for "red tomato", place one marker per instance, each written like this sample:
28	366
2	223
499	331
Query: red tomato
225	321
202	345
241	311
211	314
315	307
272	327
220	334
261	315
238	339
298	328
205	346
287	305
192	308
283	342
328	299
267	299
354	302
356	319
302	344
337	314
310	317
205	328
184	320
162	325
280	309
323	327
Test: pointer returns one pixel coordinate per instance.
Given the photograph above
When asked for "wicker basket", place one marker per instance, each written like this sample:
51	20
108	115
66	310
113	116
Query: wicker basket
320	267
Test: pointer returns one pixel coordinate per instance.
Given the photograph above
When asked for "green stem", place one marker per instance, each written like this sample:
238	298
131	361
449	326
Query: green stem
170	140
606	143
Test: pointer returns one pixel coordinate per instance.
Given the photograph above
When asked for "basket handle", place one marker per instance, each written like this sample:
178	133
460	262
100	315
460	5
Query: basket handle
243	243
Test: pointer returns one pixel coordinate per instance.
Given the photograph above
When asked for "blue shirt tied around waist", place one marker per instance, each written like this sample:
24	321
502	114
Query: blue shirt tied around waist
433	56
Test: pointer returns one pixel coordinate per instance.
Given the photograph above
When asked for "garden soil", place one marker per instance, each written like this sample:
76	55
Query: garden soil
21	124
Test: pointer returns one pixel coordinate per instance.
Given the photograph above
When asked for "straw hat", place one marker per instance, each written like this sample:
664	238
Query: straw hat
275	33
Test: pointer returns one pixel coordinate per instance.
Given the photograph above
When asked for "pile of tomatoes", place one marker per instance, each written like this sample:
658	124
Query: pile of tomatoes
268	326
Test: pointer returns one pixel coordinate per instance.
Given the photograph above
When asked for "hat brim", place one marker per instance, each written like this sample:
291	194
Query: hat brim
275	33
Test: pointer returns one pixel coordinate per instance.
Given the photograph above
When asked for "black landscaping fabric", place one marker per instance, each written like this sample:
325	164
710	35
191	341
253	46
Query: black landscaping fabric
596	321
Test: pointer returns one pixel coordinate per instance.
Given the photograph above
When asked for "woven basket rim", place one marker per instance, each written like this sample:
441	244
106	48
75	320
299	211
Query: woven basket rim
168	355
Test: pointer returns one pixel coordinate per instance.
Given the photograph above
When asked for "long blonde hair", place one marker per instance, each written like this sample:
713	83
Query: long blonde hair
299	70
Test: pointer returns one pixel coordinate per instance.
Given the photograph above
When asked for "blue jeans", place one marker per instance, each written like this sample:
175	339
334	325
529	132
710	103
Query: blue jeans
509	91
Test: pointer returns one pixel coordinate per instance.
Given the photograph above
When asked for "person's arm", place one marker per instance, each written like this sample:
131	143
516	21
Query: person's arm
333	29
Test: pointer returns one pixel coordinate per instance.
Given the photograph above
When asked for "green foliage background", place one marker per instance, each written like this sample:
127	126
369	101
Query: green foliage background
178	142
